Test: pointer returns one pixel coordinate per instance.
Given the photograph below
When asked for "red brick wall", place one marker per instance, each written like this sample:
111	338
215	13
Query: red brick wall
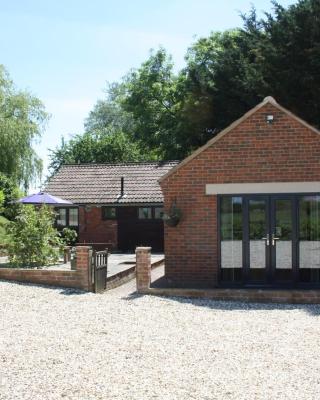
99	233
79	278
254	151
92	229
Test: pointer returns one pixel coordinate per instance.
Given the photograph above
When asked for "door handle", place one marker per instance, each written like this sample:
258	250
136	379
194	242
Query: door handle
267	239
274	239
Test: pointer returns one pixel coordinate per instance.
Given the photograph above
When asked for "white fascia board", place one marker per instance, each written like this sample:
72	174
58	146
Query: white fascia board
262	187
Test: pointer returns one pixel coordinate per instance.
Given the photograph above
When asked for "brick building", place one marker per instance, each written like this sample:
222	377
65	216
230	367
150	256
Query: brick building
250	205
114	205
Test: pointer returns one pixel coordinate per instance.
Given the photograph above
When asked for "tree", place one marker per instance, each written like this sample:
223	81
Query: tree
108	115
169	115
150	96
33	241
286	45
22	119
1	201
217	84
96	147
11	194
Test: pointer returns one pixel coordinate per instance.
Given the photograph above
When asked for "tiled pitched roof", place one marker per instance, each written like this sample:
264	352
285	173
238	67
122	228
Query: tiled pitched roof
101	183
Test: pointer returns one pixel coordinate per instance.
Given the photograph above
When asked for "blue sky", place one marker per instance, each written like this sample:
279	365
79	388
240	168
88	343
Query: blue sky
64	52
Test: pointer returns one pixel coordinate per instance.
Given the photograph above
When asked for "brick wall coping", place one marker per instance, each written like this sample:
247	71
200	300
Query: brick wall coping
244	295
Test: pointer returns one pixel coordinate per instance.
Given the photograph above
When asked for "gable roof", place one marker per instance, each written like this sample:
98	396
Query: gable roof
101	183
267	100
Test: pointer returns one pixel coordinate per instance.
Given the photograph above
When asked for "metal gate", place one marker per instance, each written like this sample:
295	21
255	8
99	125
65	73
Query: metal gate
100	270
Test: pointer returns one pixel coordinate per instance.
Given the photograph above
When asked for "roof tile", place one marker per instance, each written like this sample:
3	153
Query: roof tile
101	183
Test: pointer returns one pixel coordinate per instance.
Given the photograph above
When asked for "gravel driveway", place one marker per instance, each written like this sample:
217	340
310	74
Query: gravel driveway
61	344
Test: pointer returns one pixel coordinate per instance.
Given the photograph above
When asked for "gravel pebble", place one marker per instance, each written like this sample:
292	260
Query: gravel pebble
65	344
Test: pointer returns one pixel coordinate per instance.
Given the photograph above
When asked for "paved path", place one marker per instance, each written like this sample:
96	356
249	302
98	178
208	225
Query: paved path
120	262
130	287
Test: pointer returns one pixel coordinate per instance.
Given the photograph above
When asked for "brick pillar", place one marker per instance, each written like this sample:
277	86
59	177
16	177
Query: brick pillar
67	254
83	257
143	268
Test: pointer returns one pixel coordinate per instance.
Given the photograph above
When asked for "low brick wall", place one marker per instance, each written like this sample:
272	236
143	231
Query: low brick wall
127	275
294	296
79	278
245	295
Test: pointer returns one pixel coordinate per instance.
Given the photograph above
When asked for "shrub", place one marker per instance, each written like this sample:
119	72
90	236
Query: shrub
3	236
33	240
69	236
10	206
2	197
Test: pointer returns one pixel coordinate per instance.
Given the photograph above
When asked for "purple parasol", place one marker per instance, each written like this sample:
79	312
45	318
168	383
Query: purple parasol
44	198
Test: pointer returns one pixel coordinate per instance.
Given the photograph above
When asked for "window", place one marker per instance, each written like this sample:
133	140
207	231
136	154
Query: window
309	239
108	213
158	212
67	217
231	238
62	217
145	213
73	217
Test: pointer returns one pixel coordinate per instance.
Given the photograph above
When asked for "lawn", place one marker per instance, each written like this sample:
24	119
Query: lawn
59	343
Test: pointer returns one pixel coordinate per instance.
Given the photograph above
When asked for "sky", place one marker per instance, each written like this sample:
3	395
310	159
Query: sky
64	51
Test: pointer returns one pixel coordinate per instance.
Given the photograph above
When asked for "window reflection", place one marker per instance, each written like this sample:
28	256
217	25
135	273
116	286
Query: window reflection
283	234
309	238
231	238
62	217
257	231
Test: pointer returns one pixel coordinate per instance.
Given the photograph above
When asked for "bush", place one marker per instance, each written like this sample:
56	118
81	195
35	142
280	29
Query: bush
69	236
2	197
33	240
3	236
10	206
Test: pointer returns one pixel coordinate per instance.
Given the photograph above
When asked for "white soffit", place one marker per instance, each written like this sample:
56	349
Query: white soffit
263	187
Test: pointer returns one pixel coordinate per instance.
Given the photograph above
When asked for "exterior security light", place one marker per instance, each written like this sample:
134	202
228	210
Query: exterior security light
269	119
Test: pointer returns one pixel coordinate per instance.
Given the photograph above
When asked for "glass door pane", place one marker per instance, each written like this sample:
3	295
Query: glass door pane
258	230
281	240
309	239
231	239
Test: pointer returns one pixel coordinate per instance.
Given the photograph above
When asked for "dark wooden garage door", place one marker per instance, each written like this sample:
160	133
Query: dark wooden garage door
133	232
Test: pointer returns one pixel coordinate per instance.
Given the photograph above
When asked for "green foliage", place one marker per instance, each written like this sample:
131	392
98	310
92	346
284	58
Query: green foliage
107	136
22	118
96	147
2	197
220	82
69	236
167	115
33	241
108	115
3	235
11	194
286	50
151	96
